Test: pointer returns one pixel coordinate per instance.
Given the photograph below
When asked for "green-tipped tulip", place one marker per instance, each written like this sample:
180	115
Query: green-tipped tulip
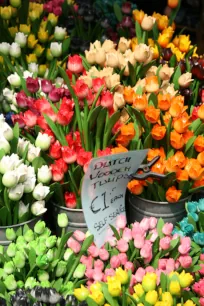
11	250
67	254
9	267
61	268
42	261
19	260
20	284
10	234
62	220
1	249
30	283
41	249
43	276
33	244
3	274
10	283
39	227
51	241
45	284
50	255
79	271
29	236
46	233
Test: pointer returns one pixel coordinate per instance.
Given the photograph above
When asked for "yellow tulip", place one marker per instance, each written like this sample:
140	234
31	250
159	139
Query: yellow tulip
53	19
149	281
114	286
155	52
179	54
163	40
81	293
151	297
38	50
33	15
136	297
6	12
25	29
185	279
184	43
167	297
174	287
49	55
175	41
41	70
122	275
32	41
168	31
43	25
138	15
189	303
31	58
162	22
98	297
13	31
96	287
139	290
43	36
134	43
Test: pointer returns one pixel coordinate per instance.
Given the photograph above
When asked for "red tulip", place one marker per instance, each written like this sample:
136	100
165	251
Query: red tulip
30	118
32	84
55	94
42	123
75	64
97	83
70	199
42	105
57	10
57	173
126	7
18	118
68	155
83	157
64	117
55	150
46	86
61	164
81	89
107	99
21	99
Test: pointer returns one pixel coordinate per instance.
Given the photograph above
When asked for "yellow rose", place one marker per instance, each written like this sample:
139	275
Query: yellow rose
98	297
185	279
43	36
81	293
13	31
53	19
114	286
149	281
6	12
122	275
151	297
32	41
167	297
41	70
31	58
174	287
25	29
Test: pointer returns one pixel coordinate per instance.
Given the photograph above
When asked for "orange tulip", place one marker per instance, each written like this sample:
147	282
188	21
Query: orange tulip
158	132
181	123
138	15
164	101
199	183
136	187
201	112
199	144
119	149
152	114
173	195
166	118
129	94
184	43
177	106
194	169
176	140
182	175
173	3
163	40
176	41
128	130
187	135
152	83
176	162
140	102
122	140
162	22
134	43
158	167
152	153
200	158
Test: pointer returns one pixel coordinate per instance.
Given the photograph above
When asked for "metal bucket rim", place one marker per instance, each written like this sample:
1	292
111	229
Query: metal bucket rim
68	209
19	224
159	202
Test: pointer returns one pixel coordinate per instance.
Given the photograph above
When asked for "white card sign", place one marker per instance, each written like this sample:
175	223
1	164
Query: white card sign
103	190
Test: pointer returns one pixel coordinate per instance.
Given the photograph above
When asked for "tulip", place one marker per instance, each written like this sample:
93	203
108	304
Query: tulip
33	67
185	279
62	220
151	297
15	3
147	23
98	297
149	281
60	33
74	245
39	227
75	64
3	274
14	80
185	80
43	276
4	48
15	50
6	12
139	290
81	293
53	19
61	268
67	254
7	131
30	283
40	192
10	234
38	208
79	271
174	287
114	286
29	235
44	175
56	49
8	267
43	141
10	283
122	275
33	152
43	36
16	193
11	250
21	39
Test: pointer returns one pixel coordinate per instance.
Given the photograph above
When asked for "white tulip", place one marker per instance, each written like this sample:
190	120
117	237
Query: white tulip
30	172
14	80
10	179
14	158
21	39
29	184
15	50
2	119
27	74
4	144
16	193
44	175
6	131
60	33
38	208
14	108
59	81
22	209
22	171
33	152
43	141
22	144
33	67
8	94
4	48
40	192
56	49
9	163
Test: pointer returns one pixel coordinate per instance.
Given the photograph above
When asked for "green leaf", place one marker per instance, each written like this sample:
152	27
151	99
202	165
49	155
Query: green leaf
63	241
184	186
23	13
161	193
143	69
173	61
201	221
155	248
32	258
160	225
139	90
193	190
132	73
114	230
154	263
25	217
14	141
169	179
138	31
153	100
91	302
200	130
58	192
153	190
195	125
148	142
3	215
2	288
58	284
93	115
174	13
176	76
55	130
25	153
86	244
117	11
155	31
37	163
108	129
65	45
163	282
2	153
192	221
189	144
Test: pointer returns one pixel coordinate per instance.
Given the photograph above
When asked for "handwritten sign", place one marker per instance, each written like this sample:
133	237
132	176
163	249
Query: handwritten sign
104	188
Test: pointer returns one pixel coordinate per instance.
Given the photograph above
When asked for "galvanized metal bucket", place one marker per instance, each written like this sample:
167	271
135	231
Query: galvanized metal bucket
4	241
75	217
138	208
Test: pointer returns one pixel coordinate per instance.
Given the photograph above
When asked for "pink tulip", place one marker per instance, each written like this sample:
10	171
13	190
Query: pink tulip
158	273
79	235
89	273
144	224
201	271
137	230
129	266
185	261
149	269
93	251
170	265
87	261
123	258
139	241
162	264
148	259
74	245
185	245
97	275
133	281
121	222
201	301
122	245
112	241
202	257
109	272
146	250
177	264
152	222
127	234
140	273
98	264
154	235
115	262
175	236
167	229
164	243
103	254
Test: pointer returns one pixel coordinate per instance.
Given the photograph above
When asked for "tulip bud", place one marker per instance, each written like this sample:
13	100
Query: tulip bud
45	235
51	241
122	275
43	141
10	283
6	12
62	220
16	193
50	255
7	131
9	267
44	175
53	19
79	271
39	227
41	249
3	274
29	235
33	244
4	144
45	284
33	152
20	284
15	50
30	283
11	250
33	67
15	3
81	293
38	208
10	179
67	254
147	23
41	70
40	192
19	260
61	268
56	49
21	39
4	48
43	36
14	80
10	234
42	261
22	209
60	33
43	276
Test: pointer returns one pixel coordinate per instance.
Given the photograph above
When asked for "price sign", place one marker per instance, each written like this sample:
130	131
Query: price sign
104	188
